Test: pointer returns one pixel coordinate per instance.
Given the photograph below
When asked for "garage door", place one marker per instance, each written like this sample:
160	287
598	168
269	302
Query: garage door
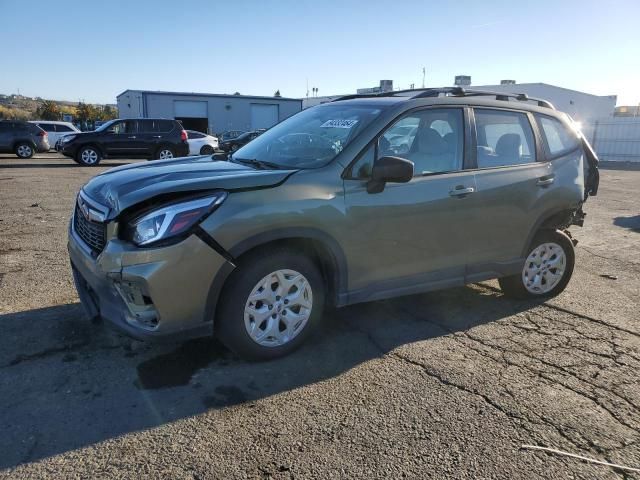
186	108
263	116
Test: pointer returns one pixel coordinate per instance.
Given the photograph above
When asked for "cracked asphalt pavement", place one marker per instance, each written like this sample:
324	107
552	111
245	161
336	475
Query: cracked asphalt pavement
448	384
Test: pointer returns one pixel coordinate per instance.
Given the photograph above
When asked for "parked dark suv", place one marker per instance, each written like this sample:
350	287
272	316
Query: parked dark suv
241	140
144	137
22	138
329	207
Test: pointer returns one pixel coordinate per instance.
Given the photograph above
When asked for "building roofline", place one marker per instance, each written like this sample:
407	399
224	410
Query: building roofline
515	85
216	95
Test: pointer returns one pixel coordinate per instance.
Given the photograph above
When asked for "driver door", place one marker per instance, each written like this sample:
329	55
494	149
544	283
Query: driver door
411	236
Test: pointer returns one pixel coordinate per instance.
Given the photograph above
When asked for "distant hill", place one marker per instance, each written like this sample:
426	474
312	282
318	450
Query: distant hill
19	107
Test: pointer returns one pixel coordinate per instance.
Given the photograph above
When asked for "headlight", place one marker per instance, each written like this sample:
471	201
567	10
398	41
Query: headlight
171	220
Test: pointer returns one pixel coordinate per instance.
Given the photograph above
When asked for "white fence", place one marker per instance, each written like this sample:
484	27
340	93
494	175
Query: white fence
616	139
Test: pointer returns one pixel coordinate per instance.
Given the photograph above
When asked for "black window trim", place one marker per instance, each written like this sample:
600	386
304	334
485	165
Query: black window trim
537	140
466	144
549	157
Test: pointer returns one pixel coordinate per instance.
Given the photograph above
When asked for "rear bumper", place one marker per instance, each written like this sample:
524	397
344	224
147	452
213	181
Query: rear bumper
157	293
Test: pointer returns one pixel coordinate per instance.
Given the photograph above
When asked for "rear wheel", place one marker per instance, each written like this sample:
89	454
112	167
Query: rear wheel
547	269
165	153
88	156
24	150
270	305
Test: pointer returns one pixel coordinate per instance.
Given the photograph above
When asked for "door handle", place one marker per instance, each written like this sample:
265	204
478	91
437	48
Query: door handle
545	181
461	191
132	136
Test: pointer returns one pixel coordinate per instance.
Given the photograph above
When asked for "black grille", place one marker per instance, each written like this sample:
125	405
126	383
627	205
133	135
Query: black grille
94	234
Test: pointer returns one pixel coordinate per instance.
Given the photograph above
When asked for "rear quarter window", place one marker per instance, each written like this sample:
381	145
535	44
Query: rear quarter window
558	138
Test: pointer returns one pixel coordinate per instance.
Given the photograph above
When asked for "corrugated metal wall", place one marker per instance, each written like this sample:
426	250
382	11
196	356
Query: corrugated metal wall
616	138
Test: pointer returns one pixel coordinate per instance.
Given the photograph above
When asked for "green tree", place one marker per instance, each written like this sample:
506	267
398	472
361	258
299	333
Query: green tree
48	110
86	112
108	113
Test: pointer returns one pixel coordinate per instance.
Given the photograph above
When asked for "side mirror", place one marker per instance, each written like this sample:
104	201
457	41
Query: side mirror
389	169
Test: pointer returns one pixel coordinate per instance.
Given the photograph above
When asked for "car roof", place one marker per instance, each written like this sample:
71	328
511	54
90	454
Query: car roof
428	97
56	122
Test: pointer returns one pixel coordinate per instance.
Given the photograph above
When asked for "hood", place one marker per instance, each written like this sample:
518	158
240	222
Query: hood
122	187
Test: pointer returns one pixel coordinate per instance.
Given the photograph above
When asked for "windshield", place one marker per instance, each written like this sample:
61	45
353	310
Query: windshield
105	126
309	139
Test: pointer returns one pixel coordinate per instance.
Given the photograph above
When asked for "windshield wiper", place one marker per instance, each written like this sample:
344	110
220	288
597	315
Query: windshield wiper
259	164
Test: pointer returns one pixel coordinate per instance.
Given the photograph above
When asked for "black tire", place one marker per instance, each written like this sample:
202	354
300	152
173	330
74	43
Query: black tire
88	156
230	322
513	286
24	150
206	150
165	148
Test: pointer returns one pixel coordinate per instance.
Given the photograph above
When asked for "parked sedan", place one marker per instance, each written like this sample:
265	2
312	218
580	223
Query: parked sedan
240	141
56	130
201	143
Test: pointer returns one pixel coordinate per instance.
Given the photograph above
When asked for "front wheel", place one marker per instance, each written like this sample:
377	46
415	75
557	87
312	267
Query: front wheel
270	304
206	150
547	269
88	156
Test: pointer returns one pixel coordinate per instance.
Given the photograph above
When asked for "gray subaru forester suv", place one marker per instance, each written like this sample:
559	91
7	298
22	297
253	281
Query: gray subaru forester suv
364	198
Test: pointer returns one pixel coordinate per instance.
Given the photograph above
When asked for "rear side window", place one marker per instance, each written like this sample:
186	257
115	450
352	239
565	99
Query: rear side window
47	127
558	137
165	125
63	128
504	138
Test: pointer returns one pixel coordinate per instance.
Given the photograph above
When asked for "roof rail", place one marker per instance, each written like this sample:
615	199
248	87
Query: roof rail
452	91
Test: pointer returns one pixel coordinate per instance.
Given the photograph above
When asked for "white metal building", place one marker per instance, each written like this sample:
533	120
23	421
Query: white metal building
583	107
208	112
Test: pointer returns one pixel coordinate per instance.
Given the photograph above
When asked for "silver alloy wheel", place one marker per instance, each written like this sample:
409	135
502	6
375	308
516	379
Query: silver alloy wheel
544	268
25	151
89	156
165	153
278	308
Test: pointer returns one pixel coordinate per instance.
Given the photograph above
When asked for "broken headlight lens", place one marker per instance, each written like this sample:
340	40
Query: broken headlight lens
171	220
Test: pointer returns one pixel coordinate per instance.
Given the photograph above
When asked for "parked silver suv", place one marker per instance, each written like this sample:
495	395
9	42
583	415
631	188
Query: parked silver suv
330	207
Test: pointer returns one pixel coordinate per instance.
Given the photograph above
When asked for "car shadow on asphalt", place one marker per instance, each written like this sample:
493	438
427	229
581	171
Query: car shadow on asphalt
67	383
632	223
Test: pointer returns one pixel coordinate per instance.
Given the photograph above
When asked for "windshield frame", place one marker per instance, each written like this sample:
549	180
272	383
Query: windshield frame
106	125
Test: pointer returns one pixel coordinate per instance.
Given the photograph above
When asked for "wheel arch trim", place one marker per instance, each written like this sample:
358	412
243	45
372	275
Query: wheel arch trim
338	260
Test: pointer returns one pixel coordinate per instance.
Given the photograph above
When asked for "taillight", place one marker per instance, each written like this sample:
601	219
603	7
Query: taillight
42	133
183	135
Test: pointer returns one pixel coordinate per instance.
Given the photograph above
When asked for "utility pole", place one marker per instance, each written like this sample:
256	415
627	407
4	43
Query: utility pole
424	73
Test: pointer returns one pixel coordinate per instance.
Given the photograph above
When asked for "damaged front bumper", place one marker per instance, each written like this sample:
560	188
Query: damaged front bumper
147	293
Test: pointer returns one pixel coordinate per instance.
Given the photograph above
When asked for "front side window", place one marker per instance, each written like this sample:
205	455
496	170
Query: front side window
311	138
433	139
559	138
116	127
504	138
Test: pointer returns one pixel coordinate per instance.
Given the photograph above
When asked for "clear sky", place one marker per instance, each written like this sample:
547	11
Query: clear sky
93	50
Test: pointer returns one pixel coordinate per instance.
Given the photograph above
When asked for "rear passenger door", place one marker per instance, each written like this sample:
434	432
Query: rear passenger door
512	185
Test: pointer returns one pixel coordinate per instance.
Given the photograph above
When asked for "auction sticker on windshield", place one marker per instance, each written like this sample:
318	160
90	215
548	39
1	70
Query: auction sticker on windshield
339	123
